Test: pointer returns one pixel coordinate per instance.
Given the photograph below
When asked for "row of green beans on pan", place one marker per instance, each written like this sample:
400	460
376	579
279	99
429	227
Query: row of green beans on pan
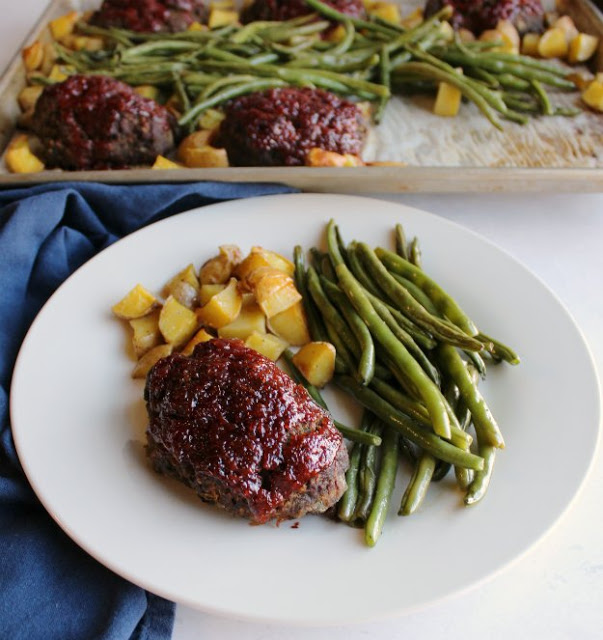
373	60
412	358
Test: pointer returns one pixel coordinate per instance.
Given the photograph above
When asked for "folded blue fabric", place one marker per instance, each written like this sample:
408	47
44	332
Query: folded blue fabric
49	588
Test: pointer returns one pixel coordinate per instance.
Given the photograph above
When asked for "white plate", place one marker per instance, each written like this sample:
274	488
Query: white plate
79	420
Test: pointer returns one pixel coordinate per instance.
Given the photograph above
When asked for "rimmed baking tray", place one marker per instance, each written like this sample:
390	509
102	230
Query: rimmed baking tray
461	154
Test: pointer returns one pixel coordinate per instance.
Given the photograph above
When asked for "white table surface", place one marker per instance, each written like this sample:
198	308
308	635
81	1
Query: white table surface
556	590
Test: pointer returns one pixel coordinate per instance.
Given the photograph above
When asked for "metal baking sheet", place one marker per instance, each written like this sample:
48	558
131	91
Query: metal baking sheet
461	154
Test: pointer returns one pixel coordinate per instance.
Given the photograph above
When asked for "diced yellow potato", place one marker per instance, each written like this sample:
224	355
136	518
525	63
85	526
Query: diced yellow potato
196	26
316	362
58	73
193	141
206	157
445	32
161	162
337	34
19	157
223	307
506	44
210	119
567	25
63	26
593	95
317	157
28	96
147	91
222	17
413	19
50	56
448	100
252	262
386	11
251	319
582	48
185	293
33	56
273	259
135	304
507	28
291	325
146	362
465	35
220	268
553	44
200	336
177	323
188	274
267	344
146	334
206	291
529	44
274	291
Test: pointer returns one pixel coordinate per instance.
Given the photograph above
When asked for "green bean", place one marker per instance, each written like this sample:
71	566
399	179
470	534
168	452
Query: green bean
385	486
366	362
401	242
415	256
419	483
483	420
478	487
411	407
445	304
374	262
498	349
541	94
347	504
367	477
417	434
315	324
385	79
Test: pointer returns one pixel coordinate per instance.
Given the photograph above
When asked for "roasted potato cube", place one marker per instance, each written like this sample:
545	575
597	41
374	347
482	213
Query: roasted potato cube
206	157
28	96
567	25
188	274
291	325
267	344
210	119
274	290
529	44
177	323
33	56
197	26
19	157
161	162
222	17
146	334
220	268
251	319
336	34
147	91
413	19
143	366
193	141
184	286
593	95
448	100
135	304
582	48
316	362
63	26
275	260
201	336
553	44
58	73
207	291
317	157
50	56
223	307
506	44
386	11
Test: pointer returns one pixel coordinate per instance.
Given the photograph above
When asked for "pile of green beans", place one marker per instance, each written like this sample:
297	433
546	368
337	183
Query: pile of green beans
374	60
413	359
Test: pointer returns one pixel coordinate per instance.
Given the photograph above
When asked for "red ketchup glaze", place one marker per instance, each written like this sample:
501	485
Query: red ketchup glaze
241	420
147	15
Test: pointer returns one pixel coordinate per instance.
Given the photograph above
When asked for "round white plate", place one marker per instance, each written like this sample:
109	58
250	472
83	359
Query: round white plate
79	420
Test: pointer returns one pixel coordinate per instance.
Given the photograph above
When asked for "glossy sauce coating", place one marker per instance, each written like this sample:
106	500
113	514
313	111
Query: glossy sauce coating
230	413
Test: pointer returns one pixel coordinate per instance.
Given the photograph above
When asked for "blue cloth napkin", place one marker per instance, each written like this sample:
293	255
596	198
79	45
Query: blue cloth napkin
50	588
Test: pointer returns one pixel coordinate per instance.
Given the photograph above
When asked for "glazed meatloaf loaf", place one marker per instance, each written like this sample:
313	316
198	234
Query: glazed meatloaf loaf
97	122
233	426
278	127
149	15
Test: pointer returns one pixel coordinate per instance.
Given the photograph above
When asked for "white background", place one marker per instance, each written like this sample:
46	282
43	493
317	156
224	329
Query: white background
556	590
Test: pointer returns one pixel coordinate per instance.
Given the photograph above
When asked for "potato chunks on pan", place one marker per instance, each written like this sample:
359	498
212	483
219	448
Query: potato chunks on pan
291	325
316	362
223	307
144	364
267	344
251	319
146	334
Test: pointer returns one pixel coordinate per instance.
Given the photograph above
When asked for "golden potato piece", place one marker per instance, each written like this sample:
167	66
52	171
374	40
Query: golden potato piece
250	320
135	304
143	366
316	362
223	307
291	325
63	26
448	100
274	290
184	286
177	323
582	48
386	11
201	336
146	334
267	344
220	268
19	157
207	291
593	95
553	44
567	25
161	162
28	96
222	17
317	157
33	56
529	44
275	260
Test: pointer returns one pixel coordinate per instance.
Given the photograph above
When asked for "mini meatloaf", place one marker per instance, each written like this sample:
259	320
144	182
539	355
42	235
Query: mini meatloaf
230	424
149	15
289	9
279	126
96	122
479	15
